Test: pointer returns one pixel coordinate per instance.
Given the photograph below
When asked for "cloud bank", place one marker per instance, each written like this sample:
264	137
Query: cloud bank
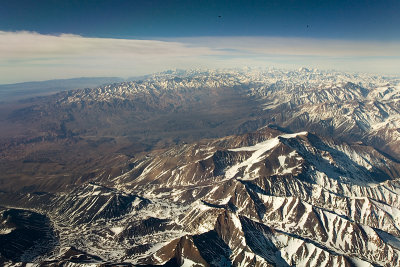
28	56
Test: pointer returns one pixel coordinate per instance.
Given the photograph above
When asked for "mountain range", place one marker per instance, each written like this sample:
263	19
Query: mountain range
206	168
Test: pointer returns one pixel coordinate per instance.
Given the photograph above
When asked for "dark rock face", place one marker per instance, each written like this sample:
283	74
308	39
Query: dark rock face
25	235
95	202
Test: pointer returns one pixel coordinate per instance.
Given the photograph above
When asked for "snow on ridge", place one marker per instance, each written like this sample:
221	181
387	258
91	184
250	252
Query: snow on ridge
259	81
258	151
268	144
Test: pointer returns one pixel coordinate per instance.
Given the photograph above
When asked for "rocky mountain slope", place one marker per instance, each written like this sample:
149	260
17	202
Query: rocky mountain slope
318	186
260	199
349	106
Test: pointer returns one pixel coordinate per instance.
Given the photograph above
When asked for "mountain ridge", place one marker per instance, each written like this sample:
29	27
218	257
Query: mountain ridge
228	204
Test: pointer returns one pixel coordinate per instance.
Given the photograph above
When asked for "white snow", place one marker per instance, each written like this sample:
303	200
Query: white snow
188	263
4	231
236	221
258	154
282	159
360	263
117	230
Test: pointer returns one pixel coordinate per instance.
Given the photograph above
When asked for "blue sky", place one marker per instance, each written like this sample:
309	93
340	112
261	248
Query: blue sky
344	35
376	20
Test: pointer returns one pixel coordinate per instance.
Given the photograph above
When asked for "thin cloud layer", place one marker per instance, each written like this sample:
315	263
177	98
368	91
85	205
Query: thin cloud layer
30	45
299	46
26	56
31	56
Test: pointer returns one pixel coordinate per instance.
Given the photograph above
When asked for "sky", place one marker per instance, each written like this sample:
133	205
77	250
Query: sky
50	39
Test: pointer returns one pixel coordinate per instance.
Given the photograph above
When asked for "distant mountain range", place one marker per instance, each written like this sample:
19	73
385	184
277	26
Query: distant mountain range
206	168
19	91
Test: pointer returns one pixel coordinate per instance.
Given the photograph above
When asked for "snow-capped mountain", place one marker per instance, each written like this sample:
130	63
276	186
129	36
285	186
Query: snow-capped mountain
316	185
266	198
354	107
